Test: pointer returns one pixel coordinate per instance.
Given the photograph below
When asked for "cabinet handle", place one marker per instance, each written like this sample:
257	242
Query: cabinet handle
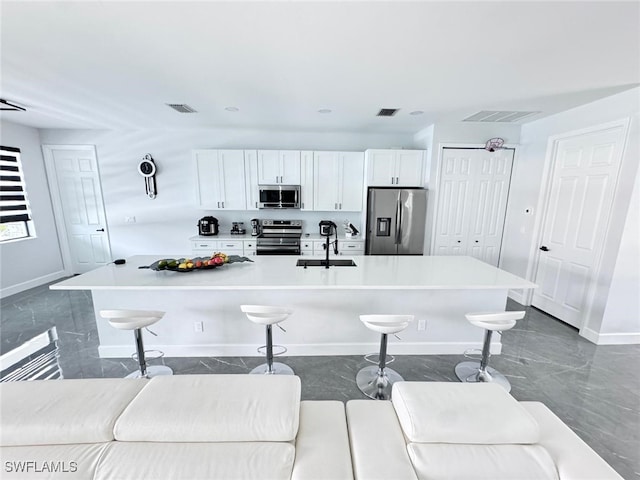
397	181
205	246
340	206
335	206
256	204
302	204
391	180
218	204
222	204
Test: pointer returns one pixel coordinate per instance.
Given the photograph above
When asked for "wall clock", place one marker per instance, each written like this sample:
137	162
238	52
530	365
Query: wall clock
147	168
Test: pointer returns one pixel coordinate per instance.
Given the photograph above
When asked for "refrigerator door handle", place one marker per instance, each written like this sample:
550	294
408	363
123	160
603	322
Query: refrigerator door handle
398	220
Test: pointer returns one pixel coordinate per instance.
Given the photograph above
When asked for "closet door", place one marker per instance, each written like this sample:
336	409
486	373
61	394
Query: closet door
472	202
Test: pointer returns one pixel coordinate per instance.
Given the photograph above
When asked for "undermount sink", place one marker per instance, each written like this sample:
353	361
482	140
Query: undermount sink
334	262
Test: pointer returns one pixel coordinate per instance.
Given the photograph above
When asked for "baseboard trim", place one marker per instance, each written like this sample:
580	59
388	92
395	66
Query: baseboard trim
610	338
36	282
518	296
244	350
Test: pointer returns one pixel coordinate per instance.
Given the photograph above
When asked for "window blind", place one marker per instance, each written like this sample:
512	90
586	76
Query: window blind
14	206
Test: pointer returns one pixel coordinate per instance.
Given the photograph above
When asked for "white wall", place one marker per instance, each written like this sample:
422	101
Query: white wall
164	225
30	262
521	230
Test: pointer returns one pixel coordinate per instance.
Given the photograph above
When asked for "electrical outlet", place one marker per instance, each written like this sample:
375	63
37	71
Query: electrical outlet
422	324
198	327
129	219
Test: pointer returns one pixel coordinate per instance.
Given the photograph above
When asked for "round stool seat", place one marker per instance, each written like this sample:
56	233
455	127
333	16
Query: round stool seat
131	319
266	314
386	323
494	321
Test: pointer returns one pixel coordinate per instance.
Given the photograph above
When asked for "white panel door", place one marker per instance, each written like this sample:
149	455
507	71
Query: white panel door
489	204
583	184
290	167
209	193
306	180
251	179
454	199
472	203
79	196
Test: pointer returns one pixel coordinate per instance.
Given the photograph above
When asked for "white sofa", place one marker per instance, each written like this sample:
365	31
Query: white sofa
463	431
190	427
171	427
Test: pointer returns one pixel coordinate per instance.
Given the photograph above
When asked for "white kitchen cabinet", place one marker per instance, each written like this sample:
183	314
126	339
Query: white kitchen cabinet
279	167
390	168
306	181
345	247
338	181
249	248
220	179
306	247
251	179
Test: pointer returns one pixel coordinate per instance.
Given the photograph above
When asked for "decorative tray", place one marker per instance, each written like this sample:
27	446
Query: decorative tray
216	260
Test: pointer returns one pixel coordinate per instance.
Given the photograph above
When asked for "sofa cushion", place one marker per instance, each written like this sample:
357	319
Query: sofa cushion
195	461
476	413
63	411
437	461
213	408
51	461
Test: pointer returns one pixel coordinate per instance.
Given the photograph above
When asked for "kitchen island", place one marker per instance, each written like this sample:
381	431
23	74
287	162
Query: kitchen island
203	316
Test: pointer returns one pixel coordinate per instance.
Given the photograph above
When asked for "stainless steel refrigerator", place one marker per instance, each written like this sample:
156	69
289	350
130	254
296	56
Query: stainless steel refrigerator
395	221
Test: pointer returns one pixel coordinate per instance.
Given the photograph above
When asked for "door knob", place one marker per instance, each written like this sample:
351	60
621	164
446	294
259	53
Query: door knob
544	248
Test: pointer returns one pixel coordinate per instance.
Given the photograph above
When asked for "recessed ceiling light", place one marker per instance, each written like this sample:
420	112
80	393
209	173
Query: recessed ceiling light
231	109
416	112
324	110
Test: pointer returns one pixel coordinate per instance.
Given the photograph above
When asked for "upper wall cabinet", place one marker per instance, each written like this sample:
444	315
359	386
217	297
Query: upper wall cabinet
251	179
306	180
390	168
220	179
338	179
279	167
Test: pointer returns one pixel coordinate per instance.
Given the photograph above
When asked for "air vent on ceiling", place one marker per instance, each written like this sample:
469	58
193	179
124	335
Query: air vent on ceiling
387	112
498	116
12	107
181	107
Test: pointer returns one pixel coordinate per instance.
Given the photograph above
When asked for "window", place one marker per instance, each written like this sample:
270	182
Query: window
15	215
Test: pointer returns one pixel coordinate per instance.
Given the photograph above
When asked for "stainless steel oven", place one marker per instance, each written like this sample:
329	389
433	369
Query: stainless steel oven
279	196
279	237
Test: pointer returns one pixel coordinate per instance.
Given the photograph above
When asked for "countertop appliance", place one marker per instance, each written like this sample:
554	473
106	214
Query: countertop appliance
279	237
396	221
279	196
208	226
255	227
237	228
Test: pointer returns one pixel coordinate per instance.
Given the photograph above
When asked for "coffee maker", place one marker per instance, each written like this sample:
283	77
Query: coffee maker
208	226
255	227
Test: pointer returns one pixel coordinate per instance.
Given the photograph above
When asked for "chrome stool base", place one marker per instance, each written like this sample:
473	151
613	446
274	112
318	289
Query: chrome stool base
276	369
377	386
152	371
470	372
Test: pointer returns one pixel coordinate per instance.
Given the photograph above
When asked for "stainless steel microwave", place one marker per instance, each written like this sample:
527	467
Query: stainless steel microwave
279	196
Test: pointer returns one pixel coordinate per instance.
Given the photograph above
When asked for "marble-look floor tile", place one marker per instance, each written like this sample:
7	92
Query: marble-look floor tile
593	389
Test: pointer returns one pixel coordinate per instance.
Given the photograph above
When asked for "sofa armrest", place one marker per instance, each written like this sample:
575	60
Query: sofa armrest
322	443
378	447
574	459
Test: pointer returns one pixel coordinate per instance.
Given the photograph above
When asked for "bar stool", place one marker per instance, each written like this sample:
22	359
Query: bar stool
269	316
481	371
376	381
136	320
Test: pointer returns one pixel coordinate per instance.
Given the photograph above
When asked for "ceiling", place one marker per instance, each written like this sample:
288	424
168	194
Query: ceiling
108	64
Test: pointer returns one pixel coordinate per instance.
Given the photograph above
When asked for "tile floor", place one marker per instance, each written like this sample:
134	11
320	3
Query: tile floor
594	389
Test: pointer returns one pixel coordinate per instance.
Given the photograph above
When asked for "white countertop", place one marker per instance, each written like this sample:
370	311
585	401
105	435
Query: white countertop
280	273
312	237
